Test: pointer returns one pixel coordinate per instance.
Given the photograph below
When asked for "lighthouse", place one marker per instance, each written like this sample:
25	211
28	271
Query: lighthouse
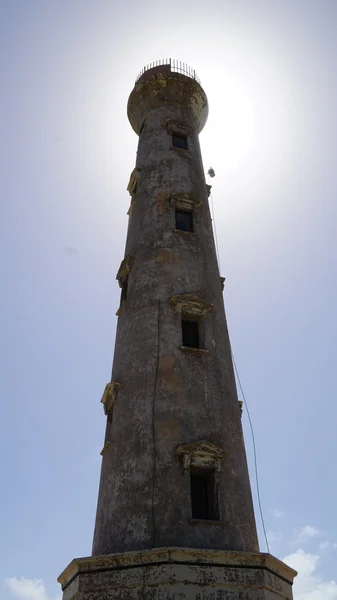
175	517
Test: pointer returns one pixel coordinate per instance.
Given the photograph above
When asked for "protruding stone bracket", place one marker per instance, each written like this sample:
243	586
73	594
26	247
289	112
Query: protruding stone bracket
133	181
173	125
124	270
105	447
110	396
202	454
185	202
222	279
240	404
131	205
209	187
190	305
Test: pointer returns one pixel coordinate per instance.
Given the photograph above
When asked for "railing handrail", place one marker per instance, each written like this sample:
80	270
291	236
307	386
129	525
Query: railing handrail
176	66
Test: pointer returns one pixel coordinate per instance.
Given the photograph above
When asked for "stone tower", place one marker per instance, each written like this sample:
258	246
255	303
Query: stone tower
175	517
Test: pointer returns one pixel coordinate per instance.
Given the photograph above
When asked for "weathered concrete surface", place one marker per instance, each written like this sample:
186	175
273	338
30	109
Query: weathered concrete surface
168	397
161	87
178	574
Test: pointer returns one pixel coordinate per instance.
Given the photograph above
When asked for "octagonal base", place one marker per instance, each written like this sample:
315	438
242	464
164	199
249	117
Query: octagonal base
178	573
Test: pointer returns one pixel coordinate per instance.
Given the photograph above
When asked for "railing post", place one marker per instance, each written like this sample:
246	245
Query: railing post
176	66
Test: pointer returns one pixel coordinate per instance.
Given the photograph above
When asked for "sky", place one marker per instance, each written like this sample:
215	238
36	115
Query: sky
67	150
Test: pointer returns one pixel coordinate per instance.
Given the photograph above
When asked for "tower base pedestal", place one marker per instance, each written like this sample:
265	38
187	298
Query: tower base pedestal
178	574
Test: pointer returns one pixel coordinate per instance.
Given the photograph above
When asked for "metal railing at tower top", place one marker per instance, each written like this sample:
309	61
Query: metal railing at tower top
176	66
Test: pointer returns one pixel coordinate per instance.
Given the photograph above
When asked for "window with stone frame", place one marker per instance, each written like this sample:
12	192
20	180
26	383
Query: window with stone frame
192	311
202	460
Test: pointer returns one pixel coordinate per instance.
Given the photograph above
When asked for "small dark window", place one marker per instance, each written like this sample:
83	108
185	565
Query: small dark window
190	333
202	494
124	292
179	140
184	220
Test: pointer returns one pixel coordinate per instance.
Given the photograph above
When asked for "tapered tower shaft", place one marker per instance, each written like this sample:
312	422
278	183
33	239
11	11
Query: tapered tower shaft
174	470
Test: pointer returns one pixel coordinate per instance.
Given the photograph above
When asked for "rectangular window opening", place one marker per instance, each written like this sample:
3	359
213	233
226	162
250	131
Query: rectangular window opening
191	336
184	220
179	140
202	494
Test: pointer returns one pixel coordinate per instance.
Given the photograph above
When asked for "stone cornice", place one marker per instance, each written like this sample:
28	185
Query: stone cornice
184	201
177	126
201	454
190	305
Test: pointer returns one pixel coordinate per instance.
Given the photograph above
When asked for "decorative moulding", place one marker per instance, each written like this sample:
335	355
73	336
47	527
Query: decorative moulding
177	126
190	305
202	454
184	201
133	181
109	396
124	270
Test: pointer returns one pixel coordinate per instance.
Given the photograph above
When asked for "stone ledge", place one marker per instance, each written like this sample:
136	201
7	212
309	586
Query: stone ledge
194	350
183	232
186	150
207	522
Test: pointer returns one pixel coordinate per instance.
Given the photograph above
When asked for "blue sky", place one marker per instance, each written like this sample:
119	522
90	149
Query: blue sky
67	149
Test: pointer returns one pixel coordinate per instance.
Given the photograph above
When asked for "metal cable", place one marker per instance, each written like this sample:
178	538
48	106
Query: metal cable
254	450
242	392
214	226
